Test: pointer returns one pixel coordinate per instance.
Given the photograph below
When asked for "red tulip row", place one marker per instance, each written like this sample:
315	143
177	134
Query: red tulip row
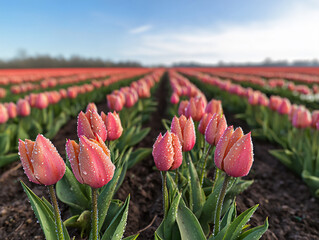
43	100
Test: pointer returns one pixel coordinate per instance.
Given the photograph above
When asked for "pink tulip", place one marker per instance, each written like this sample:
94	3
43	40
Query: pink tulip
285	107
12	110
167	152
253	98
4	116
114	102
274	102
214	106
23	108
301	118
41	161
174	98
215	129
204	122
182	107
113	125
91	123
42	101
314	118
90	161
263	100
234	152
91	107
185	130
195	109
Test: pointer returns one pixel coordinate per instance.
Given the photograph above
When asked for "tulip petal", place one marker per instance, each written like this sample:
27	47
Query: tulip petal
222	146
178	154
221	127
239	160
98	125
163	153
96	167
26	162
238	133
84	126
72	150
189	135
48	165
176	129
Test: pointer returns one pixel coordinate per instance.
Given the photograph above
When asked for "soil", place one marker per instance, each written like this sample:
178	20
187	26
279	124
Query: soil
293	213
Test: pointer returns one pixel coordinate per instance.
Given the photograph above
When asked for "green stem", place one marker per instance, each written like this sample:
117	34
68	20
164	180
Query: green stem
94	214
165	193
176	176
220	204
215	178
204	165
58	221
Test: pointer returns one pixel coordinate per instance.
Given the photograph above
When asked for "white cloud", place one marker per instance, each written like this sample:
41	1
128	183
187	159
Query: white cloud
293	35
140	29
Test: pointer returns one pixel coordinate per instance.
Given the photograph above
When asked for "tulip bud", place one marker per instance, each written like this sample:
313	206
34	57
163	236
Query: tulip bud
174	98
301	118
42	101
4	116
182	107
41	161
113	125
214	106
23	108
215	129
204	122
90	161
195	109
185	130
114	102
90	124
12	110
274	102
167	152
234	152
284	107
91	107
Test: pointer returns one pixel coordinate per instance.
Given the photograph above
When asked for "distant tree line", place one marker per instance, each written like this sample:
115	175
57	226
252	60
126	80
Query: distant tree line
266	63
47	61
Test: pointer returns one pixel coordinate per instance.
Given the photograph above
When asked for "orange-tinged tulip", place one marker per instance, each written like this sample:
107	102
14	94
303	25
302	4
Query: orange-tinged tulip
182	107
91	123
214	106
234	152
12	110
42	101
113	125
23	108
185	130
41	161
90	161
4	116
91	107
215	129
167	152
284	107
114	102
301	118
195	109
204	122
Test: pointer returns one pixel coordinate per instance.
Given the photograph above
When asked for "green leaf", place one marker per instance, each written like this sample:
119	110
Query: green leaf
106	195
138	155
197	193
236	227
4	160
229	216
4	143
188	224
311	181
117	227
133	237
44	215
114	208
71	192
254	233
170	219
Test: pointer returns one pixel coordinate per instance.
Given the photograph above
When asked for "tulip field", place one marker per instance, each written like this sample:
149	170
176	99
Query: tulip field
164	154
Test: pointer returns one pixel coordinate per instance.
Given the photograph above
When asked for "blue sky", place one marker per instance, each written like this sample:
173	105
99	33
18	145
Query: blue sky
155	32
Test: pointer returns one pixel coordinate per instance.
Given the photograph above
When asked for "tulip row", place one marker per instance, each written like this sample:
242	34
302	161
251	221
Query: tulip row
192	202
48	113
98	168
290	125
300	94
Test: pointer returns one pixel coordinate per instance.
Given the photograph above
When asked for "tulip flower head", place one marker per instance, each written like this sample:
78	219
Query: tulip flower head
90	161
174	98
91	123
41	161
195	109
4	116
215	129
42	101
23	108
214	106
114	102
91	107
234	152
204	122
284	107
182	107
301	118
167	152
12	110
185	130
113	125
